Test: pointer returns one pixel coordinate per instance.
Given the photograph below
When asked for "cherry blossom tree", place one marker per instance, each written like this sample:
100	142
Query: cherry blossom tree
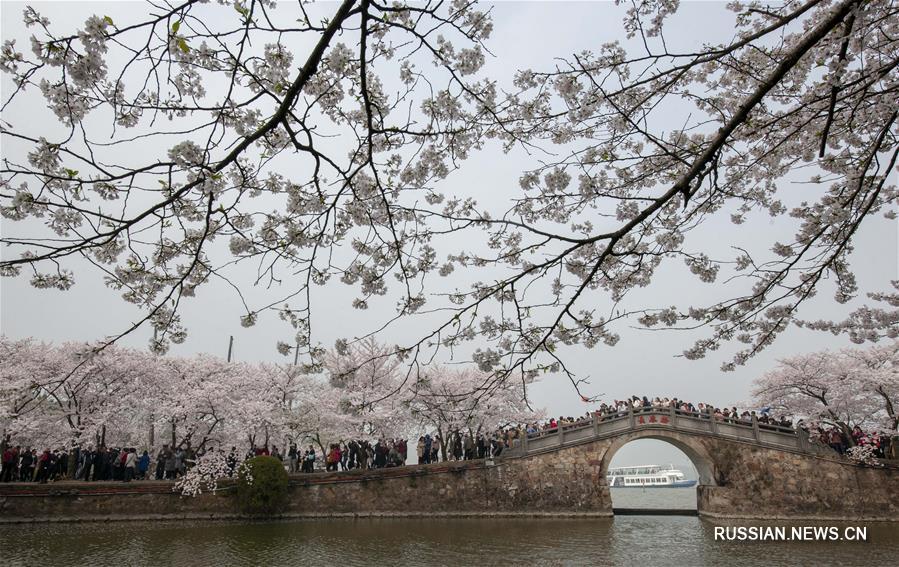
373	389
318	149
447	400
877	370
69	395
271	401
316	418
849	388
194	398
97	396
289	402
22	375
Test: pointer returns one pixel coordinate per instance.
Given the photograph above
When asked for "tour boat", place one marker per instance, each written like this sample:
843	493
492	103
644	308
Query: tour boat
648	476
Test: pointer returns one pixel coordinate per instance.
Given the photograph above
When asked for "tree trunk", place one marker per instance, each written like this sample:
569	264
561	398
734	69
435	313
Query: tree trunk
318	441
891	410
74	450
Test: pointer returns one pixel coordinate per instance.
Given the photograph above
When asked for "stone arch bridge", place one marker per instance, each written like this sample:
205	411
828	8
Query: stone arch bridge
746	469
698	435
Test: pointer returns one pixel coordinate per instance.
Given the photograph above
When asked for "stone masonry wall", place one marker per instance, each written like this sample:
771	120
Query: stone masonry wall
758	482
538	486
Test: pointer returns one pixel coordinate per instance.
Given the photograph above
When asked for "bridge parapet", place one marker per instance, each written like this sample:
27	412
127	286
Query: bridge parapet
671	419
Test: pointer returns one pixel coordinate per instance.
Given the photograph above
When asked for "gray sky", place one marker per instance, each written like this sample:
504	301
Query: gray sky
643	363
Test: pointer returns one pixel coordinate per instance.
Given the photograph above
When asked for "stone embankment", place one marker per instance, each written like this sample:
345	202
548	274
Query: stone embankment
740	477
472	488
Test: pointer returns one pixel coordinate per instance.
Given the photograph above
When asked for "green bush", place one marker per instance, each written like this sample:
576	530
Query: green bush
262	486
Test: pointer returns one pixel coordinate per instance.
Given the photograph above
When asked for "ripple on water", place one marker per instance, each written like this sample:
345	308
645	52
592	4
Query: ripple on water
626	540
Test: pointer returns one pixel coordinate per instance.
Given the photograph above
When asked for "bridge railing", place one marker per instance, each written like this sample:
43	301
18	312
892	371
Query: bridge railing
602	425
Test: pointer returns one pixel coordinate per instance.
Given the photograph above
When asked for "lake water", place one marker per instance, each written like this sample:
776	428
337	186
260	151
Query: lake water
676	498
625	540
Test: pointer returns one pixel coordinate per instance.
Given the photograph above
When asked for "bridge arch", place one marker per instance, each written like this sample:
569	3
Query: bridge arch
688	444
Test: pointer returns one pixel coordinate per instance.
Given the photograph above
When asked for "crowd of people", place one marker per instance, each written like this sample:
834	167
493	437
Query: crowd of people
838	440
125	464
170	463
620	408
464	446
385	453
27	465
726	415
103	463
361	454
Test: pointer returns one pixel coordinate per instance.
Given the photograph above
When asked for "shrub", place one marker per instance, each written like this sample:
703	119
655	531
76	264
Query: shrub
262	486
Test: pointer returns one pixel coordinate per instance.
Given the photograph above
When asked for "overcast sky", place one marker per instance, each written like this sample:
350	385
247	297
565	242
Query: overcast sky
526	34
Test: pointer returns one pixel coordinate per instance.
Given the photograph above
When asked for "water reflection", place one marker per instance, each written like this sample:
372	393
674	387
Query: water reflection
631	540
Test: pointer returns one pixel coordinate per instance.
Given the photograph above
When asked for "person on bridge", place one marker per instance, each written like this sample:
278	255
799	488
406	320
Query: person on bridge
143	465
130	464
332	458
468	447
435	449
292	458
309	460
10	463
43	467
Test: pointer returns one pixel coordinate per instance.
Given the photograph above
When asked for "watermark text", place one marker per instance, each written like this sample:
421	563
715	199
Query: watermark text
791	533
